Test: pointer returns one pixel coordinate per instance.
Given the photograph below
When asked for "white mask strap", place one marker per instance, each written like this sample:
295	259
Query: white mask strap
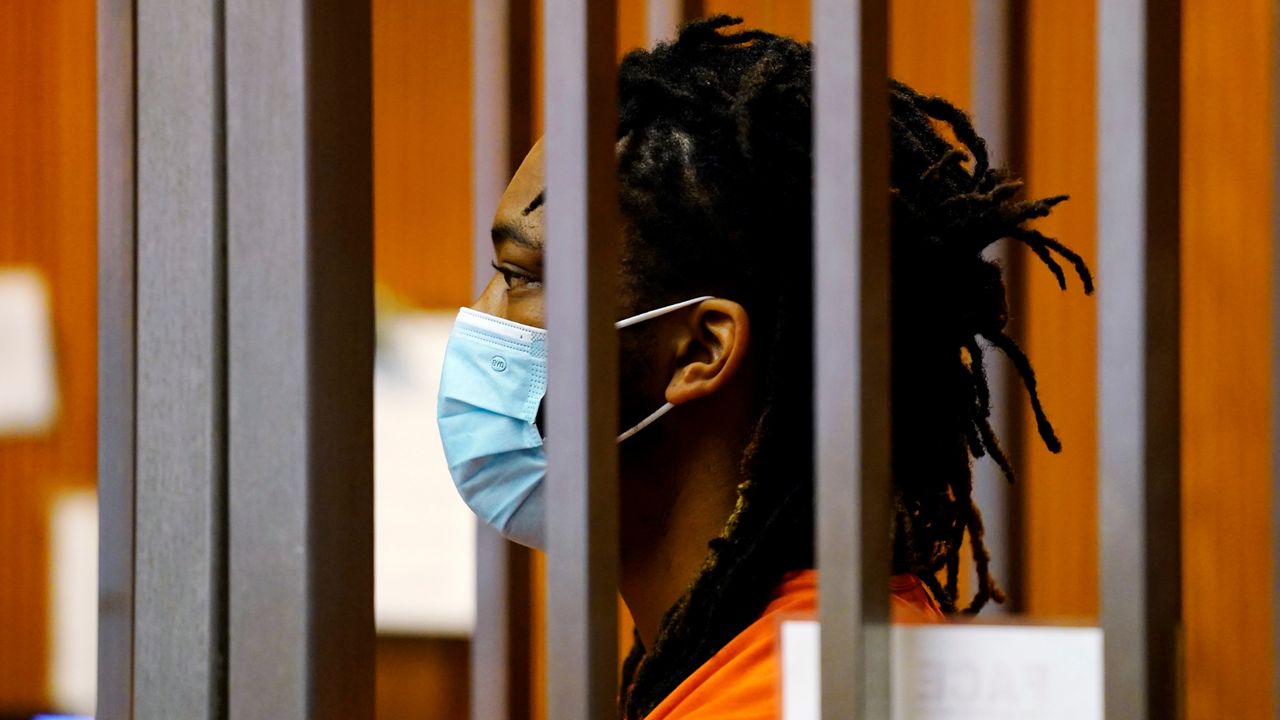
634	319
646	422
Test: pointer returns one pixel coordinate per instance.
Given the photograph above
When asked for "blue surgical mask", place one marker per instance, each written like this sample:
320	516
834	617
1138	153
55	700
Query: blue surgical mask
493	381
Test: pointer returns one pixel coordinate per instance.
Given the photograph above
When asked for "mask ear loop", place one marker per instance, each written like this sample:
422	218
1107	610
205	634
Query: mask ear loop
637	319
646	422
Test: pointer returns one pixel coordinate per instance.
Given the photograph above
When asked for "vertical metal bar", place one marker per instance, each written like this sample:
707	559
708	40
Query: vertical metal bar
300	313
990	50
851	399
116	355
181	480
1138	354
581	263
501	643
663	18
990	53
490	125
502	123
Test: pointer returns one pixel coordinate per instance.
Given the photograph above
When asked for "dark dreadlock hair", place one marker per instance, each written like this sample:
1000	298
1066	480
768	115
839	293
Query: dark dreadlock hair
715	182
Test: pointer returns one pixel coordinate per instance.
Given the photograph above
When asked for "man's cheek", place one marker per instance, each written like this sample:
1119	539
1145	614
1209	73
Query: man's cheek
641	389
526	309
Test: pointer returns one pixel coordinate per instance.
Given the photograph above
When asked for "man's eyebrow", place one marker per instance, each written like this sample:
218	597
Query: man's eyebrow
509	231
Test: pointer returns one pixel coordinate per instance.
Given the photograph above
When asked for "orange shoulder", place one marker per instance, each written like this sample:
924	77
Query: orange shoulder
742	681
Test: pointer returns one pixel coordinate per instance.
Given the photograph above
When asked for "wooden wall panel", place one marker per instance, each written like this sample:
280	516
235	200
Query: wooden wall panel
929	47
1058	330
1226	387
422	678
422	150
633	30
784	17
48	211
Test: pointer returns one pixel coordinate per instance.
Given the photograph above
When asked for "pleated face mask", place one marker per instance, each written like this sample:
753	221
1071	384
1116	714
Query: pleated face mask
492	384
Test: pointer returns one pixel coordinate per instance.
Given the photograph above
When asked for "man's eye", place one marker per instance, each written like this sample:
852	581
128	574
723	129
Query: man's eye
515	279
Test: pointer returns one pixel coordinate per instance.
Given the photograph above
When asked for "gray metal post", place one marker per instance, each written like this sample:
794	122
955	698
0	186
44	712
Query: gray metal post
581	265
851	398
990	50
501	643
662	19
116	356
1138	354
180	537
300	353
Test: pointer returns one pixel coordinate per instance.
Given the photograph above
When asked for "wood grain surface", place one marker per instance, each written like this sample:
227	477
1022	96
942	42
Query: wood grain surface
1058	330
1227	506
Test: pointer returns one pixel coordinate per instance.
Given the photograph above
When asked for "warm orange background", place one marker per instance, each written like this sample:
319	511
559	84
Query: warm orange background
48	219
1227	508
422	198
1059	521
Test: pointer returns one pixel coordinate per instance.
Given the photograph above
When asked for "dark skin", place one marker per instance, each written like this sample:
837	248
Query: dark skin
678	476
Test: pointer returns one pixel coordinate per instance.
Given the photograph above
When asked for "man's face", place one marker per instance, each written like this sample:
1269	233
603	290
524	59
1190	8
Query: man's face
515	291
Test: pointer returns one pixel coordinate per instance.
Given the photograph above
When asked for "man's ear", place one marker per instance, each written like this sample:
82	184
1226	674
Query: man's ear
709	351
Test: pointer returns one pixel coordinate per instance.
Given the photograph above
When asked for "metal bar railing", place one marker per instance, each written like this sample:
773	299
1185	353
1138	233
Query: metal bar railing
851	353
1138	355
501	645
990	50
180	501
300	339
581	268
662	18
117	355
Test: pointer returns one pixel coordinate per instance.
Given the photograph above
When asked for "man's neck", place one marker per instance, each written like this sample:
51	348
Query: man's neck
665	536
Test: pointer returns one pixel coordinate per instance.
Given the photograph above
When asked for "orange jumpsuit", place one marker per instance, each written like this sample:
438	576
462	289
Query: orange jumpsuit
740	682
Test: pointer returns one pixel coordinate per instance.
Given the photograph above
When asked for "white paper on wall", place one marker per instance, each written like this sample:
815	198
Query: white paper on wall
424	535
966	672
73	599
28	377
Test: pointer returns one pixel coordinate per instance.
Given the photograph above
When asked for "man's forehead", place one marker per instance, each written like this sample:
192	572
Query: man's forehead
530	179
518	217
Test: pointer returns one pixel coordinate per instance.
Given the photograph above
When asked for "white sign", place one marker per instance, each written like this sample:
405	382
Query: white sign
424	535
73	600
28	389
966	672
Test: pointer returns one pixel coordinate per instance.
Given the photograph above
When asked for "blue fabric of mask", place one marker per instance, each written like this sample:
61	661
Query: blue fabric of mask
494	377
493	380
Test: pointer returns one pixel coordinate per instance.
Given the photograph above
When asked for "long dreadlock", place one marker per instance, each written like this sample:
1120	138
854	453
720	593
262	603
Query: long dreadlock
715	176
